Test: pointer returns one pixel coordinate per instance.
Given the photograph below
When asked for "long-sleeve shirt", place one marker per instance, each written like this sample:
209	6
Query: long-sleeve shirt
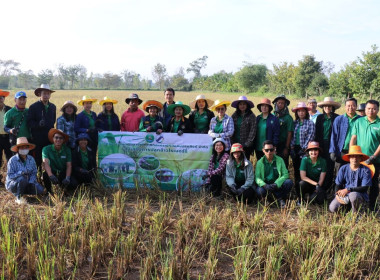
16	167
220	170
306	133
263	165
68	128
228	130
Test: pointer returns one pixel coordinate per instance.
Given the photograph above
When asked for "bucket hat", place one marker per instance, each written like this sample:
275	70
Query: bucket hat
355	151
4	93
152	103
37	92
82	136
86	98
237	147
22	141
281	96
133	96
54	131
107	100
200	97
218	103
313	145
329	101
243	98
265	101
300	105
186	109
67	104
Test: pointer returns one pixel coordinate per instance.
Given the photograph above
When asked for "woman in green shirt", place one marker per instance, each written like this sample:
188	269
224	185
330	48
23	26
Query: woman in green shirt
312	173
178	123
201	116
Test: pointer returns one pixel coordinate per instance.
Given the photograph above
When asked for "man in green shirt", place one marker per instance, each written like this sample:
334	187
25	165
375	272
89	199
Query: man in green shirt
366	134
272	175
57	162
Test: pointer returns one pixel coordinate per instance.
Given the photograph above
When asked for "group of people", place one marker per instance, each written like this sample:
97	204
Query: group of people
319	143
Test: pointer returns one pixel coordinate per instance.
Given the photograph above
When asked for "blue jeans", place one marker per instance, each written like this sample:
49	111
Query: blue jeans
281	193
21	186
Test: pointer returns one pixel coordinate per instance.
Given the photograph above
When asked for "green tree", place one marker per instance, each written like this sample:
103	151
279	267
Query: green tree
45	76
26	79
7	69
282	78
159	74
197	65
339	83
319	84
178	80
70	73
307	68
251	77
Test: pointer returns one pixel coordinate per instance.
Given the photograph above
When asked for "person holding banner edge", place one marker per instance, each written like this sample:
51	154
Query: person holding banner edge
178	123
152	122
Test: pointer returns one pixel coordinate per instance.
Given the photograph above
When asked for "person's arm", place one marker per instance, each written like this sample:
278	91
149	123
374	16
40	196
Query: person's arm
68	169
47	167
222	166
307	179
230	179
212	127
12	171
283	172
252	131
61	124
141	126
260	174
79	123
250	177
122	122
229	129
276	131
32	116
32	170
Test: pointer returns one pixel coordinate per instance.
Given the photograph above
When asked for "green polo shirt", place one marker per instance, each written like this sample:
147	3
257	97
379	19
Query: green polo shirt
201	121
367	135
175	126
239	176
326	127
84	157
12	119
349	131
286	125
313	171
90	119
298	134
261	134
270	170
219	126
57	159
237	129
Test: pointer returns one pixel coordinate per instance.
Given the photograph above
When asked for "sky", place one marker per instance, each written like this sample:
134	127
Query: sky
115	35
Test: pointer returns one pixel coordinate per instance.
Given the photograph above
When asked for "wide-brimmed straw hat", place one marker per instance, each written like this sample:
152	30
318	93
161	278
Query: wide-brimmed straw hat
152	103
54	131
22	141
281	96
86	98
355	151
201	97
4	93
242	98
133	96
361	107
107	100
237	147
329	101
300	105
264	101
67	104
37	92
171	108
218	103
313	145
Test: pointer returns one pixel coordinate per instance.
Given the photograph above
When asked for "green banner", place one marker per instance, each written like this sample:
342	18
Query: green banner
168	161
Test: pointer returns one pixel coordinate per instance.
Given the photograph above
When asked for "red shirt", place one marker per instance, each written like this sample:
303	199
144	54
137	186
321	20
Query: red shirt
130	121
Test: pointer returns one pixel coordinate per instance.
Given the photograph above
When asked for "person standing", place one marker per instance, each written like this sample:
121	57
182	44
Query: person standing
313	112
4	137
361	110
221	126
201	116
107	119
366	134
169	100
281	111
130	120
86	120
41	118
66	122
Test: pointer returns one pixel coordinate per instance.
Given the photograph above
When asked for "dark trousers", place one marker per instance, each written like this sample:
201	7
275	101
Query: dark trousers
37	151
328	182
374	188
93	144
61	176
247	196
305	187
281	193
84	178
216	185
280	152
248	152
21	187
296	165
5	147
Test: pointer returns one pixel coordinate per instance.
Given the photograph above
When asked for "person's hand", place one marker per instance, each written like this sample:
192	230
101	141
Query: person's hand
342	193
239	191
24	173
99	130
233	189
41	123
267	187
66	181
333	156
273	187
371	159
317	188
149	129
14	131
53	179
159	131
180	132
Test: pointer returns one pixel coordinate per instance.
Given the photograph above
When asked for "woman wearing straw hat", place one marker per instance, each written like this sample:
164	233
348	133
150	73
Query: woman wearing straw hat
107	120
323	129
268	127
304	131
22	171
178	123
312	172
67	120
221	126
353	181
86	120
244	124
152	122
201	116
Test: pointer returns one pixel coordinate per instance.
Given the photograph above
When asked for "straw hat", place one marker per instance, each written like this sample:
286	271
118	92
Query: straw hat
237	148
329	101
186	109
242	98
281	96
300	105
107	100
86	98
133	96
218	103
200	97
313	145
355	151
22	141
265	101
4	93
67	104
37	92
54	131
152	103
371	168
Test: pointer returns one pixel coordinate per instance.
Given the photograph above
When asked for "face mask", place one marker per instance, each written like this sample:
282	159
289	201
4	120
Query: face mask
23	152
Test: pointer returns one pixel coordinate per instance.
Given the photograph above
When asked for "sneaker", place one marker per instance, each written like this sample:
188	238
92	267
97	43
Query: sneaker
282	203
20	201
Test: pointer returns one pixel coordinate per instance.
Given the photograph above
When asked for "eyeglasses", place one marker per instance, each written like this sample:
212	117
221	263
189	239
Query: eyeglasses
58	137
268	150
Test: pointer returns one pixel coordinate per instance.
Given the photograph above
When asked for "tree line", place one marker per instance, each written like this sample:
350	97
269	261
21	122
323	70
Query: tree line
309	77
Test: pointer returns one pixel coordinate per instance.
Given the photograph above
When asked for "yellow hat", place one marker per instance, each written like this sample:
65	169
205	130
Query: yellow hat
219	103
107	100
86	98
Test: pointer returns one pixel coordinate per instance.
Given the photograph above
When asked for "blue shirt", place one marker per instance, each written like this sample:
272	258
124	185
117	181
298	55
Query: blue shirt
15	168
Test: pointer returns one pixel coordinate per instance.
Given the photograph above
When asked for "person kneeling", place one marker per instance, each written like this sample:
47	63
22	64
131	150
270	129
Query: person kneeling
57	161
239	174
22	171
272	177
84	160
352	182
